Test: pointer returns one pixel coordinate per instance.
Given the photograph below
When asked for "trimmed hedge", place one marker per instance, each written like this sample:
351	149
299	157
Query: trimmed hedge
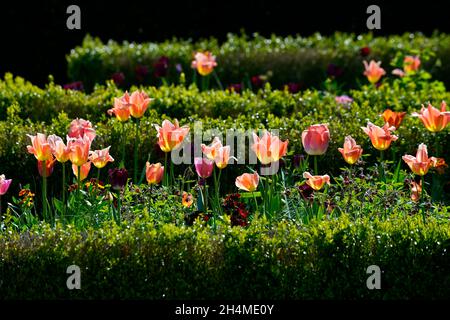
326	260
288	59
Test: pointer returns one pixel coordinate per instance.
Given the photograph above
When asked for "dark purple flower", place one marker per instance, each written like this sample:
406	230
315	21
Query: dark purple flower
141	72
297	160
236	209
161	67
235	87
306	191
293	87
118	178
364	51
257	81
334	71
77	85
118	78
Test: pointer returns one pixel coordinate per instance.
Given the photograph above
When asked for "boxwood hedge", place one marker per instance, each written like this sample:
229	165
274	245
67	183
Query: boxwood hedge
326	260
287	59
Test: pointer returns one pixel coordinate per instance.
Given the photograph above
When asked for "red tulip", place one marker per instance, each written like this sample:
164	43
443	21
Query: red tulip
315	139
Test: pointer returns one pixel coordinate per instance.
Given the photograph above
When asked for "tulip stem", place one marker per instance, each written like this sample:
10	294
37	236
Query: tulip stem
217	80
79	182
98	175
122	163
64	188
44	189
0	208
256	202
316	171
136	147
119	205
165	170
422	197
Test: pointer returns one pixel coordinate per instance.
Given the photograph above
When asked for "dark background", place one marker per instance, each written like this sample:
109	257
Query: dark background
35	40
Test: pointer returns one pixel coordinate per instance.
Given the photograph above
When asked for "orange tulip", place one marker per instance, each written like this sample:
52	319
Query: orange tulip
40	147
204	62
79	128
316	182
351	151
84	170
420	164
416	190
373	71
411	64
381	137
269	148
187	200
247	182
439	164
315	139
433	119
49	164
393	118
79	150
100	158
59	149
121	108
139	102
217	152
170	136
154	173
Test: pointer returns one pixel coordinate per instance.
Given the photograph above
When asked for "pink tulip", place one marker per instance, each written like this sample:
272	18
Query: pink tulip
154	172
204	167
269	148
217	152
121	108
79	150
139	101
421	163
4	184
351	151
204	62
79	128
373	71
315	139
40	147
100	158
170	136
247	182
59	149
316	182
411	64
433	119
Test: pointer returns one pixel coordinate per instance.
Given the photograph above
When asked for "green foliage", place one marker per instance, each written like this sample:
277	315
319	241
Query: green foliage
144	260
283	59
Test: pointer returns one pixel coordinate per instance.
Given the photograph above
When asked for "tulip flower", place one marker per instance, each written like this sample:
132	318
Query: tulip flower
40	147
351	151
139	101
49	164
373	71
204	167
118	178
204	62
316	182
187	200
416	191
4	184
154	173
433	119
393	118
398	72
217	152
100	158
84	170
420	164
315	139
381	137
170	136
121	108
212	150
269	148
58	148
247	181
79	150
439	164
79	128
411	64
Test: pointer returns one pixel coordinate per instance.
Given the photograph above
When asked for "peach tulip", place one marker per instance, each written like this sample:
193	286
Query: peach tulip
420	164
393	118
411	64
351	151
248	181
373	71
315	139
439	164
269	148
381	137
154	173
316	182
49	164
59	149
170	136
40	147
4	184
204	167
79	128
416	190
139	101
187	199
433	119
79	150
84	170
212	150
217	152
204	62
121	108
100	158
398	72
